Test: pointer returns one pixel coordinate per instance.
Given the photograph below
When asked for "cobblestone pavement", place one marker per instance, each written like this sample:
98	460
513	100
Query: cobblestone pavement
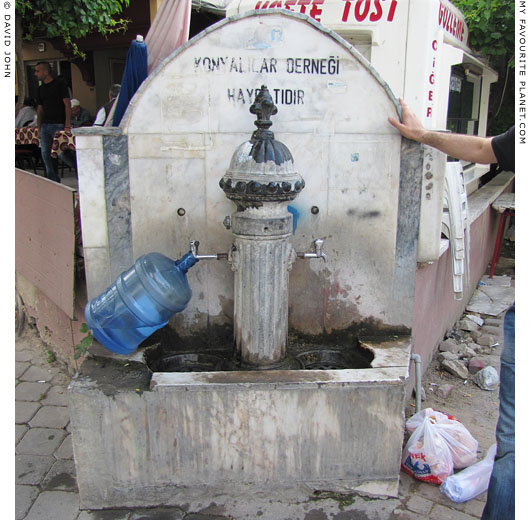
46	480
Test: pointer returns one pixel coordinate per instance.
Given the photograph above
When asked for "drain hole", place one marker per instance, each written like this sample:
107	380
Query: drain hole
189	363
330	360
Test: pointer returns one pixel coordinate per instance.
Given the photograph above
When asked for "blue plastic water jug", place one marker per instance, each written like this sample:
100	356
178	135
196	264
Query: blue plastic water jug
140	301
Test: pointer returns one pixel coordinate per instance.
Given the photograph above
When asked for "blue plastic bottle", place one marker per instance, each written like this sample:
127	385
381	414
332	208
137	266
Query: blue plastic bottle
140	301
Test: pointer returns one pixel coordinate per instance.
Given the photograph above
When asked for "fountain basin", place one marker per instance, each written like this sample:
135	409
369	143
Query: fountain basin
145	438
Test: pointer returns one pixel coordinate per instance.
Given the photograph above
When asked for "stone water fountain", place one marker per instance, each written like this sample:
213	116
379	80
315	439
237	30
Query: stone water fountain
303	388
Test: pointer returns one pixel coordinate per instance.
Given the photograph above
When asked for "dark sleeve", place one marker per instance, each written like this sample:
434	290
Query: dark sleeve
65	93
39	98
504	150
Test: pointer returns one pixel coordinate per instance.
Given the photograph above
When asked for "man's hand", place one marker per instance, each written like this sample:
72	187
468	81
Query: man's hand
411	126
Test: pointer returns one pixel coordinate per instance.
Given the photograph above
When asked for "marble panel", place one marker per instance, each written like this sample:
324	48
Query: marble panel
97	269
88	142
117	196
91	187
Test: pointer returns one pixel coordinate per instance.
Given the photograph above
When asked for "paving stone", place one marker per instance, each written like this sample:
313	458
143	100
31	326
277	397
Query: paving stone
37	373
457	368
61	505
25	410
30	469
434	494
344	515
467	352
490	329
40	441
402	514
447	355
61	477
444	390
474	508
447	513
407	484
482	497
20	430
164	513
494	322
21	367
51	417
61	379
316	514
486	340
30	391
56	396
65	450
419	504
474	334
24	497
449	345
112	514
467	325
23	355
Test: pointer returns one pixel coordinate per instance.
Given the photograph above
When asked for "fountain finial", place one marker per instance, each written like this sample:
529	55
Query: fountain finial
263	107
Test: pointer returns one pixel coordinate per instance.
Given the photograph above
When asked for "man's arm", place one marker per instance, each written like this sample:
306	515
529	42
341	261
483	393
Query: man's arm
39	117
67	113
466	147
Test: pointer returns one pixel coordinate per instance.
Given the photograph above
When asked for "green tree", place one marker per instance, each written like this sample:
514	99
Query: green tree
492	34
67	20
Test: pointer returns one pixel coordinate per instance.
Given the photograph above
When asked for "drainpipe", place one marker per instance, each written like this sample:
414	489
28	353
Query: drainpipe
417	361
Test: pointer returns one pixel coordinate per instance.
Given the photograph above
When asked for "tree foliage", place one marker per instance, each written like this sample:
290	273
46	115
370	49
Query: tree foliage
491	27
69	20
492	34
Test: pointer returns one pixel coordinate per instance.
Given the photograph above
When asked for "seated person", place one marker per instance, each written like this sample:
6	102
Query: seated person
27	115
79	116
105	111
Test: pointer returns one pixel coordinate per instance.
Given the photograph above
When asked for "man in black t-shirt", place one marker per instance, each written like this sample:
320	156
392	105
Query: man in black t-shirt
53	114
485	150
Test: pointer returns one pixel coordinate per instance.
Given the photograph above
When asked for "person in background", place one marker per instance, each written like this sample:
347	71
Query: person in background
105	110
500	503
27	116
53	114
80	115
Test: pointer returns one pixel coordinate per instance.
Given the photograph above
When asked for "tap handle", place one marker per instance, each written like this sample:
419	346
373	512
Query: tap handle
194	248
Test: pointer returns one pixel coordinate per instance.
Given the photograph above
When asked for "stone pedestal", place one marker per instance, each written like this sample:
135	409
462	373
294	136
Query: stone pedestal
261	263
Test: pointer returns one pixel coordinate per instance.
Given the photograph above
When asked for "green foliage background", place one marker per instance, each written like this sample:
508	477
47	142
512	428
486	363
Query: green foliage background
69	20
492	34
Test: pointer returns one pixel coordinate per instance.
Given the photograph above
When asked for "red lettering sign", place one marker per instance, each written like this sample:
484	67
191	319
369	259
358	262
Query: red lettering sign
450	22
361	12
373	10
315	10
302	4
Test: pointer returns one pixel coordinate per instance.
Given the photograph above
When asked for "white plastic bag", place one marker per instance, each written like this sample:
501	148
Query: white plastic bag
418	418
462	445
439	444
472	481
426	455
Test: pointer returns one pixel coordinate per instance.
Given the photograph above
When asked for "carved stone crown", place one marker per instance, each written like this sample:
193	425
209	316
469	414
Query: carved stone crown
262	169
